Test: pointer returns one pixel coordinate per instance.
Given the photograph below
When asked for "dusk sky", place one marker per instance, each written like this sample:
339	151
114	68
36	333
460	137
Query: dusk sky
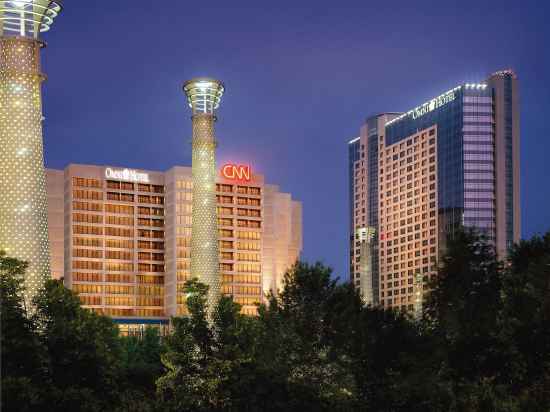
301	77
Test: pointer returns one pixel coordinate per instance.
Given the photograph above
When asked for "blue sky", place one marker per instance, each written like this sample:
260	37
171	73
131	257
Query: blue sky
300	81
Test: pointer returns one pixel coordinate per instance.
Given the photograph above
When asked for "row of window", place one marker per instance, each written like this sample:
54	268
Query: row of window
141	187
151	256
119	220
87	194
117	278
83	182
154	234
88	253
131	301
242	201
116	266
241	290
114	312
156	245
87	206
88	242
248	245
248	257
248	267
243	190
119	209
241	278
128	197
111	184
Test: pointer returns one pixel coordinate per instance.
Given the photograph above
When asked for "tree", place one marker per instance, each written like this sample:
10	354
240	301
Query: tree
298	335
23	355
83	351
464	303
206	363
525	321
483	344
141	366
490	324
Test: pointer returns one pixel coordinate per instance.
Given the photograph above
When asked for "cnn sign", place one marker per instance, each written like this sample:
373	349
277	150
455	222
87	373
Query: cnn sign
236	172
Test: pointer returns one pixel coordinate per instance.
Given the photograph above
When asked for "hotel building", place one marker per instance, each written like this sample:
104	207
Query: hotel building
121	238
416	176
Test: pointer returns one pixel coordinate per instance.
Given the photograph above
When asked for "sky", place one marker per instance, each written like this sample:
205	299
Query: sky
300	76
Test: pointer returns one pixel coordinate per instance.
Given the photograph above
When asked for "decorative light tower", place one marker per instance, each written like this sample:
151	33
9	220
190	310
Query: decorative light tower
23	201
204	96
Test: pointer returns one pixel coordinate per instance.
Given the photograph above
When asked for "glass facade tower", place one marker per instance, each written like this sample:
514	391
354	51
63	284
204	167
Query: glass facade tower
475	129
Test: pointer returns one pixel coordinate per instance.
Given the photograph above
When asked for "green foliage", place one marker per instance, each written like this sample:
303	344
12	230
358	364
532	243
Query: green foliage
141	367
298	334
83	350
23	356
525	322
483	344
464	307
60	357
208	364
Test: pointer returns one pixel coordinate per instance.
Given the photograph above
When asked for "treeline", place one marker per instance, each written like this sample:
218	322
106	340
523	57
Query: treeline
483	344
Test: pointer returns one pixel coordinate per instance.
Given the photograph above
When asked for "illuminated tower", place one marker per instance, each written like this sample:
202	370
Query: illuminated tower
23	203
204	95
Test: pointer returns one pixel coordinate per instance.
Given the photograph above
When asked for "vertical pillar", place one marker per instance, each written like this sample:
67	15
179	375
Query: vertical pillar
204	240
23	200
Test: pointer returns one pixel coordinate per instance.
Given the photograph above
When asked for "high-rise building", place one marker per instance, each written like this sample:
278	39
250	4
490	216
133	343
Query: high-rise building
23	203
416	176
204	96
126	246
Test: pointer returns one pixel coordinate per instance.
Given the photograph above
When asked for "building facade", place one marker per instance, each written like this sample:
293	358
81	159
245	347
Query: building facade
415	177
126	244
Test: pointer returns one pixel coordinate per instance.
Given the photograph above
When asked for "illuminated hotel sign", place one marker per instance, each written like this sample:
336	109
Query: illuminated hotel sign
128	175
236	172
428	107
433	104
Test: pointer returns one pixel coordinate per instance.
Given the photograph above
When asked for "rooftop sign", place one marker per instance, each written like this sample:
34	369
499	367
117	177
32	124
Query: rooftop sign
429	106
128	175
236	172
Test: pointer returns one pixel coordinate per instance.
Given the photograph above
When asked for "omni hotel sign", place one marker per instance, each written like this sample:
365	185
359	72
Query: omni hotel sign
429	106
433	104
128	175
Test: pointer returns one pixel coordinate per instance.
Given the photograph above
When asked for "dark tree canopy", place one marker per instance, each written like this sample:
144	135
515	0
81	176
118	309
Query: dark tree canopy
482	344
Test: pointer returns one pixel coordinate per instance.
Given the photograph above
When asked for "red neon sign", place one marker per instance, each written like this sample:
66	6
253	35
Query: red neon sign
236	172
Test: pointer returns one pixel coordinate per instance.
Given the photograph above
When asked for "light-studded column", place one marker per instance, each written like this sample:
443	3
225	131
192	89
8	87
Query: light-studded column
23	200
204	235
204	97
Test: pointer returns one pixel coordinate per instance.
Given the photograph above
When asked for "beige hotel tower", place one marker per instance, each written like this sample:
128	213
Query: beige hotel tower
23	207
122	238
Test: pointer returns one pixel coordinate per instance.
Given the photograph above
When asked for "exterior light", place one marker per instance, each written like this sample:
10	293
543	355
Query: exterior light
203	94
27	18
